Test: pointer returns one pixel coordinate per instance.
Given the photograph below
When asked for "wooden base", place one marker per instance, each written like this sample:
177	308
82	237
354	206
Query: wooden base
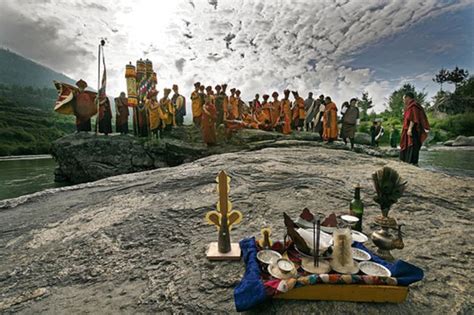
347	292
213	252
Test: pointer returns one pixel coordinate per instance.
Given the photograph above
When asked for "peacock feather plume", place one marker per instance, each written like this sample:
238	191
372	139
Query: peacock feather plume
389	187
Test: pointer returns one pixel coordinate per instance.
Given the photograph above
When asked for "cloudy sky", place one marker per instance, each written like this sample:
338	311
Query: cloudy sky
336	47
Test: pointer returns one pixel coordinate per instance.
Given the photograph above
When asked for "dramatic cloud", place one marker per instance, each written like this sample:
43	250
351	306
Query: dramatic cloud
258	46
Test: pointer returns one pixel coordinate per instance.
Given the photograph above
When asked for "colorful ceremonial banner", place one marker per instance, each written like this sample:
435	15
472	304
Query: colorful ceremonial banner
67	101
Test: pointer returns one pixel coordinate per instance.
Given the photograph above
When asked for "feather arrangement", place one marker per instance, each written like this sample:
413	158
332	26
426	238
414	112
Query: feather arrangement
389	187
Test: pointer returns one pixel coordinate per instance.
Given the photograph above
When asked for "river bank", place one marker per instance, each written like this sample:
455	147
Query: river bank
125	244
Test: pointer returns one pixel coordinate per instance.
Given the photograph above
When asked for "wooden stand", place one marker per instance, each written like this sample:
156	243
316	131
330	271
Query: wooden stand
213	252
348	292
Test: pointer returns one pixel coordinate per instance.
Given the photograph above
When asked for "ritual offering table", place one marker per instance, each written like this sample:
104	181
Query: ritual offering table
376	280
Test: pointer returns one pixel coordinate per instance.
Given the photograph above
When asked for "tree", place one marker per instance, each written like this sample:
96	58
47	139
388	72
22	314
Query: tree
365	104
457	76
441	77
395	101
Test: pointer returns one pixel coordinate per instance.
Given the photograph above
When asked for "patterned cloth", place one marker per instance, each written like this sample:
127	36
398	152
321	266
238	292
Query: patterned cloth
256	280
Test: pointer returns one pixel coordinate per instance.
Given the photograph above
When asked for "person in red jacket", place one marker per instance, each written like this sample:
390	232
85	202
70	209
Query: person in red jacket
415	129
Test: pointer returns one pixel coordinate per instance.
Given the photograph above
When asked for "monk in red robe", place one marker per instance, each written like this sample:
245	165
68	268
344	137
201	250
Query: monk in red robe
83	108
208	120
415	129
330	129
121	113
285	112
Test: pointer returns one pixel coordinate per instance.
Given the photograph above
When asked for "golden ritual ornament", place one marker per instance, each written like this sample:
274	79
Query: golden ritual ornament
223	218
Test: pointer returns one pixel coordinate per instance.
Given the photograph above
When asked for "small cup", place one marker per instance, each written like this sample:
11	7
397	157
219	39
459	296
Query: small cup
285	265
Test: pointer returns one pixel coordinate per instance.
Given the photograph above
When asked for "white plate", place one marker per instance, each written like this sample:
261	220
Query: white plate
373	269
359	237
275	272
350	218
268	256
328	229
359	254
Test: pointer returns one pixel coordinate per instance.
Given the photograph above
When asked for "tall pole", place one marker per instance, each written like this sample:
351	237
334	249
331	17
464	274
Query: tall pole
98	90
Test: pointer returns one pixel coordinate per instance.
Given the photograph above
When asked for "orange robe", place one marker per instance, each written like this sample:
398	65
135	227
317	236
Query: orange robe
196	105
330	122
234	108
153	113
286	113
267	110
276	106
263	120
249	121
208	123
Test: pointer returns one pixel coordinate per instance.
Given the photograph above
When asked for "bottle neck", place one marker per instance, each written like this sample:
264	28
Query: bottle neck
357	193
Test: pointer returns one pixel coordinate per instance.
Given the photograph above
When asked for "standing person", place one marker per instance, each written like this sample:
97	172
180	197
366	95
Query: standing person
285	114
415	129
376	132
299	113
196	104
219	103
121	114
167	112
394	136
225	103
320	106
344	108
105	117
84	103
233	105
208	122
179	104
267	112
256	102
308	108
330	121
349	122
153	108
275	113
240	105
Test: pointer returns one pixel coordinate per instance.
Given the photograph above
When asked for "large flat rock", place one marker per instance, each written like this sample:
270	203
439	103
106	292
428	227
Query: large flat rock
136	243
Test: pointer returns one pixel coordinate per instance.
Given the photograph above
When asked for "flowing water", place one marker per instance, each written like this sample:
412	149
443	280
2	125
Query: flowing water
28	174
25	175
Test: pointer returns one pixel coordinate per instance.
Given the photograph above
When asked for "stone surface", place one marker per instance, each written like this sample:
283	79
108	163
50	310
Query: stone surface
84	157
463	141
362	138
137	243
449	143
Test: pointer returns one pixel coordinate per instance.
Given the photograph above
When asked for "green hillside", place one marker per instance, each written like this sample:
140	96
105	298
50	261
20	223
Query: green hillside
26	130
17	70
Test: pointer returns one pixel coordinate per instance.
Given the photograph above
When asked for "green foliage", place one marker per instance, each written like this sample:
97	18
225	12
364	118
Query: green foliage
441	77
457	76
395	101
460	101
365	103
25	130
461	124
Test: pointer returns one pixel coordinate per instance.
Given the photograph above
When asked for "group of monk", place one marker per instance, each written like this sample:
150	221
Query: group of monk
214	107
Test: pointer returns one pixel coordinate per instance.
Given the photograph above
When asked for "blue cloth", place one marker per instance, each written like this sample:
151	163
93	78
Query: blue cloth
250	291
404	272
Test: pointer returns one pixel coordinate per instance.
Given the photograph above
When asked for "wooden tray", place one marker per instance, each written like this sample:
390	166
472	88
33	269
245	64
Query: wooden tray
347	292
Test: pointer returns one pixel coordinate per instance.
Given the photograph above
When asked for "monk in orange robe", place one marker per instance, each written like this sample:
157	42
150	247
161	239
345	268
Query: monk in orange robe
262	119
154	112
267	110
208	120
299	112
196	104
233	106
285	112
225	103
330	129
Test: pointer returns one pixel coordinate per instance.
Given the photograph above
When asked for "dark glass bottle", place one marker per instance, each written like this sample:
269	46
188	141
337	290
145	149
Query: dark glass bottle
357	208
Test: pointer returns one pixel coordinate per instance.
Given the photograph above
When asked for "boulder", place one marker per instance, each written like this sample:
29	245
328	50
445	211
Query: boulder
463	141
449	143
136	243
85	157
362	138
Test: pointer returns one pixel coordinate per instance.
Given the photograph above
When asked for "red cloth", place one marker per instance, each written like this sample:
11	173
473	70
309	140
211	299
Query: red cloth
208	123
415	113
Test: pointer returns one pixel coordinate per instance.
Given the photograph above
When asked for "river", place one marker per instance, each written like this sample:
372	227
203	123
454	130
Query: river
28	174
